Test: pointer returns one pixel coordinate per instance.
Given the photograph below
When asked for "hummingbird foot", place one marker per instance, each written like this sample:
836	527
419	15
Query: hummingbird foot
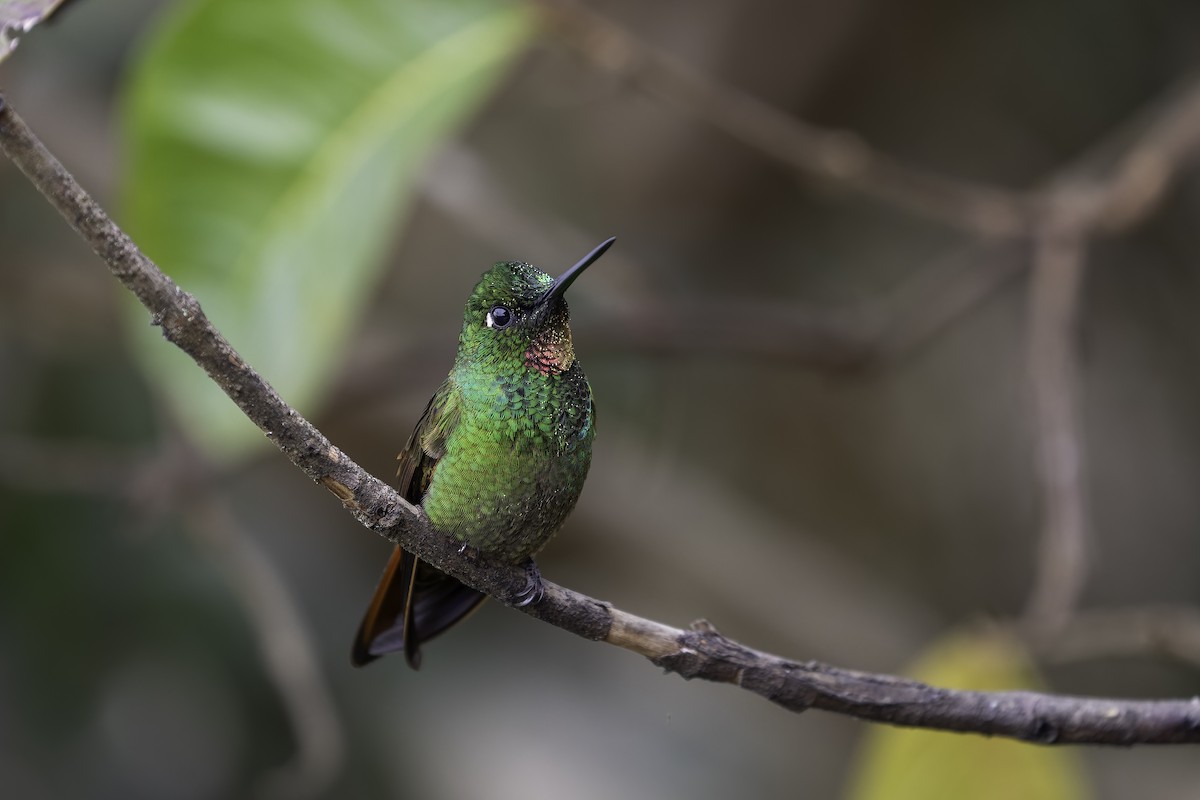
534	589
469	552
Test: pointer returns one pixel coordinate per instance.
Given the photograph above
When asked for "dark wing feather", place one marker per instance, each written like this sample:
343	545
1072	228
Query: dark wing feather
414	601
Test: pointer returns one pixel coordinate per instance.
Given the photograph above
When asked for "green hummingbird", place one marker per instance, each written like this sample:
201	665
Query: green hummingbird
499	457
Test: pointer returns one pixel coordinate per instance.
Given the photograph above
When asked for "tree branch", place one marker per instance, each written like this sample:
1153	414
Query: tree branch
1055	289
839	156
698	653
1105	633
1108	190
704	653
855	336
286	649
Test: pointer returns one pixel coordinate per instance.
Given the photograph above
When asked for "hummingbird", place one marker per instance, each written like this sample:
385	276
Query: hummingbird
498	458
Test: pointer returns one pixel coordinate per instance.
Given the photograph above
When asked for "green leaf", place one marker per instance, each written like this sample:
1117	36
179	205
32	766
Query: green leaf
272	146
905	764
17	17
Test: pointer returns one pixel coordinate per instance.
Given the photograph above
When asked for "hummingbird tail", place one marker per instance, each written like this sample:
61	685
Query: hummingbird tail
413	603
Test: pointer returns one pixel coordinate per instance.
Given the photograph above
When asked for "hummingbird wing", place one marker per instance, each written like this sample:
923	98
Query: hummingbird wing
414	601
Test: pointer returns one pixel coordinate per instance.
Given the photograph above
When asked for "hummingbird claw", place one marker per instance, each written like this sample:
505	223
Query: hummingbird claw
468	552
534	589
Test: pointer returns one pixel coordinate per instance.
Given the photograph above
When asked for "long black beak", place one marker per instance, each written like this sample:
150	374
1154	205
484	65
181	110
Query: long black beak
567	278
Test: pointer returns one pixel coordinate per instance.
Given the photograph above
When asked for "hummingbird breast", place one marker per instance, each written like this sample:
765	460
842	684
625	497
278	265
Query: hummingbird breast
516	461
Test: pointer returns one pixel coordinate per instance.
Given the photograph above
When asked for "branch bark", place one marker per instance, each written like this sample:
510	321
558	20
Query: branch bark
700	652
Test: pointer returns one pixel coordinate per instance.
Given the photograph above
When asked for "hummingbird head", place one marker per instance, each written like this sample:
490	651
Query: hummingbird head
517	315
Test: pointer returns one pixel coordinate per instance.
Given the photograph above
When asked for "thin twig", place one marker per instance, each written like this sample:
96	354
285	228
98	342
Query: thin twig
1055	287
1079	205
151	482
89	468
700	652
1121	180
833	155
856	336
1122	632
1083	201
1106	197
1166	137
286	650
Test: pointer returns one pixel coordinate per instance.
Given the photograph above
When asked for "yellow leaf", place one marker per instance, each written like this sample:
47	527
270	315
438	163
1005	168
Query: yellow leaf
908	764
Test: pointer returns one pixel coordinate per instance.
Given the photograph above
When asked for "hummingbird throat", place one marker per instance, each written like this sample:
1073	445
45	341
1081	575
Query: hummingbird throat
551	352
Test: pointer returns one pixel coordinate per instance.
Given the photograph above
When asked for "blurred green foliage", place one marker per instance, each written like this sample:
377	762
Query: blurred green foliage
905	764
272	153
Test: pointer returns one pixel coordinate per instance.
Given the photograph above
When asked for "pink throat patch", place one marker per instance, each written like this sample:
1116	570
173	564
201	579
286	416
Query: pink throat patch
550	354
545	362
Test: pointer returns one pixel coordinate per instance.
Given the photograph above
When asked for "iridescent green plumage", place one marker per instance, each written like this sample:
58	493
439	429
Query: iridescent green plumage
499	457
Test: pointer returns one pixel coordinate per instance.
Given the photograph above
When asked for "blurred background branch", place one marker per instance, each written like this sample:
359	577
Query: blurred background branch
1055	290
286	648
151	486
1097	633
835	155
870	333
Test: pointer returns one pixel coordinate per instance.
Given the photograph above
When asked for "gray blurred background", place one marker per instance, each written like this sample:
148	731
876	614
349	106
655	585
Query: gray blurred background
843	513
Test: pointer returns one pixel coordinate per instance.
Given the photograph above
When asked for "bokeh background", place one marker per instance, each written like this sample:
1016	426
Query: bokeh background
845	509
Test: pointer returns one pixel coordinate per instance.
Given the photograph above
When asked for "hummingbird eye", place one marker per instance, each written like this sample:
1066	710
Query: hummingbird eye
499	317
